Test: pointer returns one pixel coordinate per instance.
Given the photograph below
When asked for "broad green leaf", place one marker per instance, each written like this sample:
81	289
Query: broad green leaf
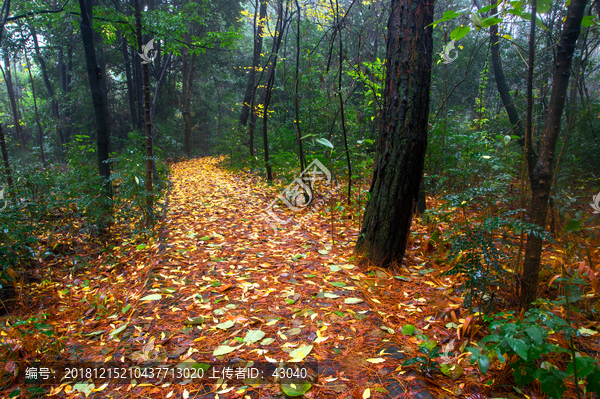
206	238
151	297
352	301
484	364
141	246
223	350
543	6
84	387
299	354
588	20
459	32
573	225
253	336
408	329
295	389
125	309
118	330
518	346
226	324
338	284
324	142
490	21
535	333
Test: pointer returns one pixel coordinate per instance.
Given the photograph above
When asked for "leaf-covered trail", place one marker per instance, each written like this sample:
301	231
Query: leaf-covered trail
220	288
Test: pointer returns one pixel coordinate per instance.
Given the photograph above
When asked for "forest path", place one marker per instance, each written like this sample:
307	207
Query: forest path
224	266
220	289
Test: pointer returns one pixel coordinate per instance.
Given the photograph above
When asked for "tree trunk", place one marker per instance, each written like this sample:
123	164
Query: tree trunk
503	89
258	41
130	92
7	170
102	126
280	27
147	119
53	103
13	102
187	76
540	167
296	99
403	135
35	109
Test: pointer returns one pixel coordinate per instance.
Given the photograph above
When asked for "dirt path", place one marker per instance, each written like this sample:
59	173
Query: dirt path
220	290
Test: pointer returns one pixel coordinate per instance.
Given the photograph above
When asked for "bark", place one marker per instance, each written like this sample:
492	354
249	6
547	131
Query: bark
149	213
102	125
187	76
258	41
541	167
503	89
53	103
272	62
265	119
13	102
35	108
6	160
403	135
296	99
129	78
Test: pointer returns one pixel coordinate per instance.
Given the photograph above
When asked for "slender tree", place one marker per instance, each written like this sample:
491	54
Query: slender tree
100	109
403	133
541	165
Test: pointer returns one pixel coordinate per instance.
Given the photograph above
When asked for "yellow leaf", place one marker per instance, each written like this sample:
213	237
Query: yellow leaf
367	393
376	360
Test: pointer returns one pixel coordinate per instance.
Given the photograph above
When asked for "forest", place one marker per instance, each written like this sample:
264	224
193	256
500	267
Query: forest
300	198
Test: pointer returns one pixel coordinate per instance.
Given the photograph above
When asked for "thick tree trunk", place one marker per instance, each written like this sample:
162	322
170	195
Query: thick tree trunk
403	136
258	41
102	125
540	167
129	79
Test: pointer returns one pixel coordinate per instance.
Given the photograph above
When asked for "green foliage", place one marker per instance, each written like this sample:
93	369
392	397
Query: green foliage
527	340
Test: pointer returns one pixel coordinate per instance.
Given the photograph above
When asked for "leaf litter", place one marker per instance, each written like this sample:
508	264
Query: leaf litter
216	282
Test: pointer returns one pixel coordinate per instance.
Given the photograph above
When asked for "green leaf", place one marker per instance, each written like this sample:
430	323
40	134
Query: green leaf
299	354
253	336
295	389
223	350
226	324
543	6
518	346
408	329
205	238
535	333
593	381
151	297
125	309
116	331
486	8
573	225
338	284
402	278
484	363
330	295
267	341
141	246
324	142
588	20
490	21
459	32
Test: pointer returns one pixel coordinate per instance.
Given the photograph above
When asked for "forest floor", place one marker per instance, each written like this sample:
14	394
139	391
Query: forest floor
219	295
